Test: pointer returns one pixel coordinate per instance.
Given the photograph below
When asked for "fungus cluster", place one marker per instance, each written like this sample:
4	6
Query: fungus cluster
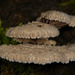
35	43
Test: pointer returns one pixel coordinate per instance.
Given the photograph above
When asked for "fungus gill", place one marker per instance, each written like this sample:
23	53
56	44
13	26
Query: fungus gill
56	18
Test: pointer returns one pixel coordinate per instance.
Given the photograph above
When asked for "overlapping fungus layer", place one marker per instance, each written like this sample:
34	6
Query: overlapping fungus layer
56	18
54	22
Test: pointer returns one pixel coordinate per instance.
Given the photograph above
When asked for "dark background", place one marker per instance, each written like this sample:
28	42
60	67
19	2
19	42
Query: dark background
12	12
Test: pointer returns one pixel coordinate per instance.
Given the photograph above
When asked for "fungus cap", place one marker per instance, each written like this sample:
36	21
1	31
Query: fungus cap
33	30
55	15
72	23
39	54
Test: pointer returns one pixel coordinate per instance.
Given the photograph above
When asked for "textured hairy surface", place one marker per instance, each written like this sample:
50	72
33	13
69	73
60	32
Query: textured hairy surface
57	18
33	30
55	15
72	23
38	54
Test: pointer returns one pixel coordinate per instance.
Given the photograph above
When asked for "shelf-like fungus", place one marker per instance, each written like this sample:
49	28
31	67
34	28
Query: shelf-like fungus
56	18
33	33
35	46
39	54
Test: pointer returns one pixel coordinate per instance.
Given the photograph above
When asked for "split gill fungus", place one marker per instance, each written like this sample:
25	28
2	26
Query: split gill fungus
33	33
57	18
36	40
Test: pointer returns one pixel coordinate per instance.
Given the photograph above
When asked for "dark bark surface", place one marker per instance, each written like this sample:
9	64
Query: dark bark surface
12	12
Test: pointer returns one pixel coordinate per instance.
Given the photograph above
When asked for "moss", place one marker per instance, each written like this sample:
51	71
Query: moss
3	38
70	2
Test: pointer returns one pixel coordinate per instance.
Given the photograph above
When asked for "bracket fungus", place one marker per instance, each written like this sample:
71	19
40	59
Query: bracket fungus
56	18
34	33
35	46
38	54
